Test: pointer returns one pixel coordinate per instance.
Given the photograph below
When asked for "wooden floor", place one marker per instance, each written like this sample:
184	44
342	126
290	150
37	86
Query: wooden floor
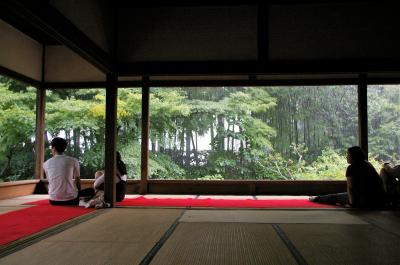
211	236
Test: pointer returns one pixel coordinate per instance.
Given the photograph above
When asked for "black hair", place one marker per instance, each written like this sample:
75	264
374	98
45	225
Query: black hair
121	165
356	153
60	144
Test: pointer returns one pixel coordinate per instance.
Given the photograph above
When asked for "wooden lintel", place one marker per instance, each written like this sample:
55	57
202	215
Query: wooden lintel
258	67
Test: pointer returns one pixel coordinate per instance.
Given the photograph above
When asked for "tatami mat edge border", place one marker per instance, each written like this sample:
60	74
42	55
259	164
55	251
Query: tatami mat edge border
153	252
293	250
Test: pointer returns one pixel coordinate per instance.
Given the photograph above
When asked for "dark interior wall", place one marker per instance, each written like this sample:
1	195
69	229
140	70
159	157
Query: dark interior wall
95	18
334	31
187	34
295	32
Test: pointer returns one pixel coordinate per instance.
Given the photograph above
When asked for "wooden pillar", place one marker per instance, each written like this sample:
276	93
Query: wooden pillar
145	135
39	146
363	114
110	139
40	120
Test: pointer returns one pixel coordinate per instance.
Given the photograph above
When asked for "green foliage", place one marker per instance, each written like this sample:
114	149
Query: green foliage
165	107
274	133
328	166
92	161
162	167
223	163
211	177
17	123
130	153
72	114
384	122
257	133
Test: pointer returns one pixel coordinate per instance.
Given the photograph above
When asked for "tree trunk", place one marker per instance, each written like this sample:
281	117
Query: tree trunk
46	139
196	157
69	142
233	138
153	144
181	150
228	138
85	141
212	135
161	144
220	132
188	136
77	146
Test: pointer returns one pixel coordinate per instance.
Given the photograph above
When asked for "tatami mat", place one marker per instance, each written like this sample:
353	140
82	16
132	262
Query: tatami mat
344	244
271	216
118	236
387	220
22	200
219	244
6	209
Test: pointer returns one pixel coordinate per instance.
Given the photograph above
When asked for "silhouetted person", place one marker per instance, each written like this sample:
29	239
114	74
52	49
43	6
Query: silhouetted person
364	186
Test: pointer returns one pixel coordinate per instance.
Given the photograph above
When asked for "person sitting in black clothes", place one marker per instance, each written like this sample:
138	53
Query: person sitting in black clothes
364	186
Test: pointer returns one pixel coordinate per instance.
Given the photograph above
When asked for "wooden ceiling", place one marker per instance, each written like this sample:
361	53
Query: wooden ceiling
48	24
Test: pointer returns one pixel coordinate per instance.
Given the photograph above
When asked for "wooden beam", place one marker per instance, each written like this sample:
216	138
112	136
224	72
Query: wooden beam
76	85
40	121
223	3
384	81
363	114
145	135
20	77
218	83
52	23
39	144
255	67
110	139
18	188
238	83
246	187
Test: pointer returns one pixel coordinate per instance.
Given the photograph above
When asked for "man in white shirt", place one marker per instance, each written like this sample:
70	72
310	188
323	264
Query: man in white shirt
63	175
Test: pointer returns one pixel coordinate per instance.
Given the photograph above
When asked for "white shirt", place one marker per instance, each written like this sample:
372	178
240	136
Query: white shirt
60	171
100	180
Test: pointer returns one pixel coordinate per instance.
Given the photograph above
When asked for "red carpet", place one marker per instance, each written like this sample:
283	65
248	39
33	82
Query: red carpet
21	223
222	203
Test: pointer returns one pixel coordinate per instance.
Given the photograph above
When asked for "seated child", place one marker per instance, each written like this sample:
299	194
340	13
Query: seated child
98	200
